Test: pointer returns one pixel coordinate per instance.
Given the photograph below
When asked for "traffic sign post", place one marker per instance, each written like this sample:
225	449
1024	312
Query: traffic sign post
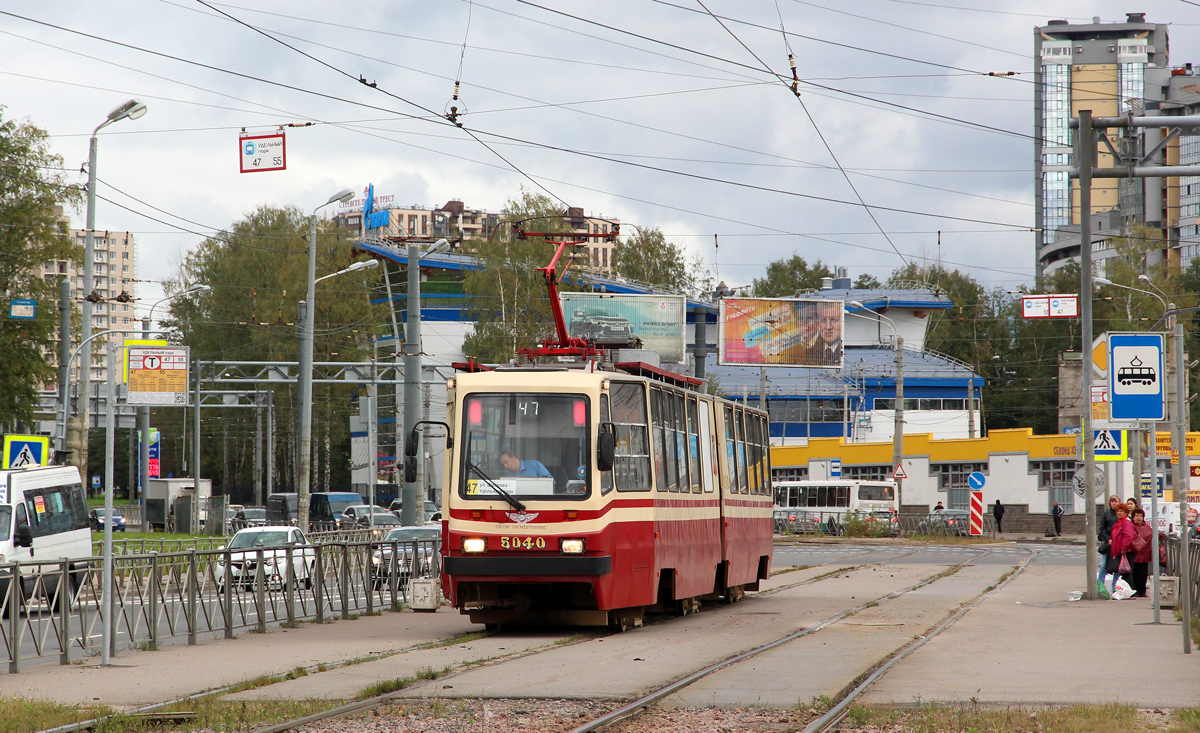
976	511
1135	376
158	375
26	450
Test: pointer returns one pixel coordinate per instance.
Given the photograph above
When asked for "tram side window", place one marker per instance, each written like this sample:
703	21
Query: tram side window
660	442
731	471
740	431
679	411
631	470
693	442
606	477
754	451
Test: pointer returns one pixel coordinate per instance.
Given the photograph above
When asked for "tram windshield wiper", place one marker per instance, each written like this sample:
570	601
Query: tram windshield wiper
496	487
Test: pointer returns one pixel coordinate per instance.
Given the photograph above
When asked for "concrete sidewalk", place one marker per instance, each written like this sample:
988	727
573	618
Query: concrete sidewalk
1028	644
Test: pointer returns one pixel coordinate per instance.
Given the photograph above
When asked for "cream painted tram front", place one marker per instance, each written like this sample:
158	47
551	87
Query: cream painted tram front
588	497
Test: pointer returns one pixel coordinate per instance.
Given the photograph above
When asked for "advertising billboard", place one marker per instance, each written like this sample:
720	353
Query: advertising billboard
656	321
795	332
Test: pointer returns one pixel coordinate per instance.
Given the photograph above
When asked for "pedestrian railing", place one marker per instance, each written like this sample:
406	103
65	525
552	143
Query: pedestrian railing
1172	544
828	523
182	596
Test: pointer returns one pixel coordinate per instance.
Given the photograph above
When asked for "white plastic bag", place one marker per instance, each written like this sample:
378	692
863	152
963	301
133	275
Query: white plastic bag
1123	591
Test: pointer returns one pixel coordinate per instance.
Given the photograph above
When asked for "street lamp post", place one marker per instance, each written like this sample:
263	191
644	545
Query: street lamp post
898	429
144	412
131	110
304	479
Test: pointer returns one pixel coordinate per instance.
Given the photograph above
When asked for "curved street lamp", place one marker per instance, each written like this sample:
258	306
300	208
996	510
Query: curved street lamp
304	487
130	110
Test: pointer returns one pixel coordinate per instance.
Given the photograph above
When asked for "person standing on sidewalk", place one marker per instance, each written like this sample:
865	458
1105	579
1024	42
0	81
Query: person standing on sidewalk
1142	552
1058	513
998	513
1104	534
1122	546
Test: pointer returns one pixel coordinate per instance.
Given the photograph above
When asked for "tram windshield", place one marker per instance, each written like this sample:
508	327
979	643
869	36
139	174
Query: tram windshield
527	445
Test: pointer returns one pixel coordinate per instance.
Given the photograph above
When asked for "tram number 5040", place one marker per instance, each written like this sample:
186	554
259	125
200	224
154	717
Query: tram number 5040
522	543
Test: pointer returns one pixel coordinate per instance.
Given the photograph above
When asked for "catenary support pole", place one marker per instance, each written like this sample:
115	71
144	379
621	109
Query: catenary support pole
898	428
110	430
411	503
1085	144
1181	487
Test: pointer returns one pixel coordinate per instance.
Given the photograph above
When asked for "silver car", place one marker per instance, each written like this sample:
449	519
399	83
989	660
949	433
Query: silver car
273	543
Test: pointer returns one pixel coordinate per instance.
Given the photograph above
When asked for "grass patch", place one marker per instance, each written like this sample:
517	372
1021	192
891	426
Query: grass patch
384	687
934	718
1186	720
19	715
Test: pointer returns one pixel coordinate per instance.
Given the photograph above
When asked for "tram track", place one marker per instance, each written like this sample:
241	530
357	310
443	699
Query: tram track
631	710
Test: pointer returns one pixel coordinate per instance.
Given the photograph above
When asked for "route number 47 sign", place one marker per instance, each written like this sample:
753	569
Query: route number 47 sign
263	152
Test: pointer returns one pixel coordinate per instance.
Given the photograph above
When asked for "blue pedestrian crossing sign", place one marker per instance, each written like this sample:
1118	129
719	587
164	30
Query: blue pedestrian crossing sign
26	450
1135	377
1110	445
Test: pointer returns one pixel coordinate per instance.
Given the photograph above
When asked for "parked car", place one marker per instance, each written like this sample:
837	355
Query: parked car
253	516
283	508
432	513
352	515
273	541
425	541
383	522
326	507
946	522
601	325
96	518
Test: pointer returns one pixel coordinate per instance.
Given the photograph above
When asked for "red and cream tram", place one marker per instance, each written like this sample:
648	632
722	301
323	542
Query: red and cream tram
593	497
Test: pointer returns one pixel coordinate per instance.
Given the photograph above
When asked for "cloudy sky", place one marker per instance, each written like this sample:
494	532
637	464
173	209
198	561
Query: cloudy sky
667	114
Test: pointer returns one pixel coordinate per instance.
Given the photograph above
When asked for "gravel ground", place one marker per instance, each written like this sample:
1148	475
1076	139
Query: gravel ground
556	716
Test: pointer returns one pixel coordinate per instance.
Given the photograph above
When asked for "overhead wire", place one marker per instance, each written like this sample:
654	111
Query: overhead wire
512	138
373	85
812	121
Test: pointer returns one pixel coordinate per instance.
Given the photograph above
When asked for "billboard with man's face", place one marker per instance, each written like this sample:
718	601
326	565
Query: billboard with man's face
623	321
791	332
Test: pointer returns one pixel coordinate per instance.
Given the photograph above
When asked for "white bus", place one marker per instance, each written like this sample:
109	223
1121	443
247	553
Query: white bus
808	506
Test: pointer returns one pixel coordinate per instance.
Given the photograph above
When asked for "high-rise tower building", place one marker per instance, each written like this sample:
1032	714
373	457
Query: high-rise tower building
1110	69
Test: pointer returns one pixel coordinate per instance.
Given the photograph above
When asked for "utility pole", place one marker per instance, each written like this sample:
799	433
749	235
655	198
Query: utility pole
898	436
411	504
1085	144
971	405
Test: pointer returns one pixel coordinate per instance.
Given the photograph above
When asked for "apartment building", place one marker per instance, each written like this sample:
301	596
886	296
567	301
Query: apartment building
454	220
114	276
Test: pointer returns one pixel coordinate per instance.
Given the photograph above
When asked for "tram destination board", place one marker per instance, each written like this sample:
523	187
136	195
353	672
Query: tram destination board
158	375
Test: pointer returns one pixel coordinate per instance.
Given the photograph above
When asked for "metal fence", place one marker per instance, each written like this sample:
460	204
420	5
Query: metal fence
836	524
1172	544
180	595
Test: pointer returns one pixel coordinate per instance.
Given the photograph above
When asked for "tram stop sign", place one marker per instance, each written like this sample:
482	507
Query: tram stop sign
158	375
1135	376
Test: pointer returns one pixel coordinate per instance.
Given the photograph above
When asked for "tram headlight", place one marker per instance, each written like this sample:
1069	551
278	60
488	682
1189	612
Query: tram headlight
571	546
474	545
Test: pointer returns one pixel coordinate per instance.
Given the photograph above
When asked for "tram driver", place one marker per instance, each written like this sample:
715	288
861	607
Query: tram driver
528	467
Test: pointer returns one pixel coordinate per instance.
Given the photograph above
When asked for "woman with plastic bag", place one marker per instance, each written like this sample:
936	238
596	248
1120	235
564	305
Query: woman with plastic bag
1104	536
1143	552
1121	548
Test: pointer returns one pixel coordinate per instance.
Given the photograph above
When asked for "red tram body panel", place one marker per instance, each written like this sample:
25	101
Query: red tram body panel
539	528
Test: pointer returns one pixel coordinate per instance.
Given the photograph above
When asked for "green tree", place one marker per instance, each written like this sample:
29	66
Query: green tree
867	282
650	259
32	186
785	277
258	270
507	296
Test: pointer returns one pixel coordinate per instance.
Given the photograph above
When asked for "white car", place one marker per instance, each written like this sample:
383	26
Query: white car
243	558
